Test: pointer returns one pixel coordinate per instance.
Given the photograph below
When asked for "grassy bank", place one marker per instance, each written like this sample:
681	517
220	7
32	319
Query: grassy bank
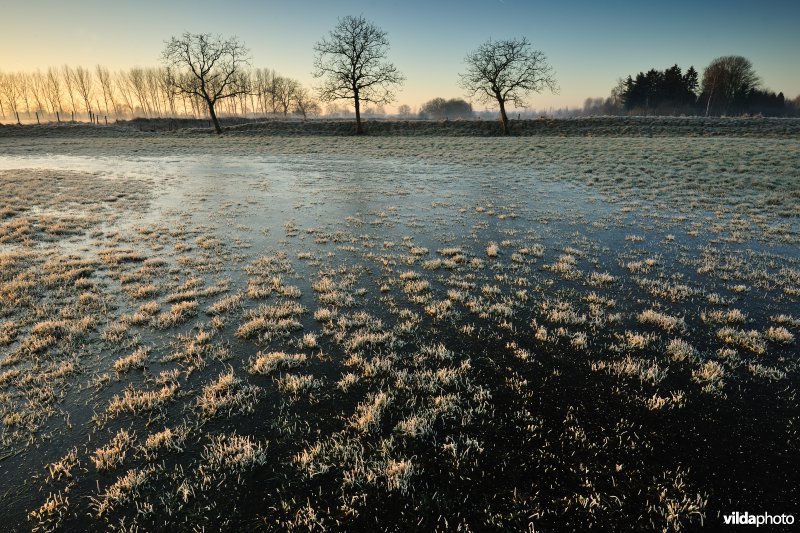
581	127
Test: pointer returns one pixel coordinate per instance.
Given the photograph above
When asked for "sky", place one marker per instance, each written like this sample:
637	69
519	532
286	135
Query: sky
589	44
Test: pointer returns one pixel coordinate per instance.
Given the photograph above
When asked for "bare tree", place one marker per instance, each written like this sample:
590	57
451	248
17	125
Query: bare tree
104	79
124	90
137	80
83	83
2	95
39	91
506	71
285	89
351	61
69	83
5	93
334	110
617	94
166	83
54	90
246	85
24	88
207	67
260	88
252	79
376	111
727	79
274	90
153	89
304	103
9	91
267	87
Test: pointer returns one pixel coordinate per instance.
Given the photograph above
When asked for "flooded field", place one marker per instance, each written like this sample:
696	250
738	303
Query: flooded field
282	333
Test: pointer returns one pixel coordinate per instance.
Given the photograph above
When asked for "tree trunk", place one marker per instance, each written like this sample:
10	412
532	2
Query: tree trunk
359	130
503	116
710	95
211	112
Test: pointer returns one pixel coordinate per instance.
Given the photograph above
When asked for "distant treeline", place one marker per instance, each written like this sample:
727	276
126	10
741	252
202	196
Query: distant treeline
729	86
78	93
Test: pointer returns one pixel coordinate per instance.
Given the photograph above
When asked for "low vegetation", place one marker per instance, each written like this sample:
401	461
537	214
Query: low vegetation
360	334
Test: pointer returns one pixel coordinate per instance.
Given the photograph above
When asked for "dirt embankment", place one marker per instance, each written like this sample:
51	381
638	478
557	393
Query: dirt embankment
581	127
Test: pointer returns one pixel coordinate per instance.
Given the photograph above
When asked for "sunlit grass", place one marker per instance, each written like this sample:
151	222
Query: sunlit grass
383	351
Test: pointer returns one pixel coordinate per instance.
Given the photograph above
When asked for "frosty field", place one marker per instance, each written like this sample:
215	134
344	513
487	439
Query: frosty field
397	333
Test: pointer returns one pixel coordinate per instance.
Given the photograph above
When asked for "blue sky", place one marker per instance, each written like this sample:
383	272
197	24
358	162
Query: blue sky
589	44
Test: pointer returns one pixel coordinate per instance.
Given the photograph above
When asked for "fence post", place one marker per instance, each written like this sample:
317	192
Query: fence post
106	117
73	117
37	117
58	118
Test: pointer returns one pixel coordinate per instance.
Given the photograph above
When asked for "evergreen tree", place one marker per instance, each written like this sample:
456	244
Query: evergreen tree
668	91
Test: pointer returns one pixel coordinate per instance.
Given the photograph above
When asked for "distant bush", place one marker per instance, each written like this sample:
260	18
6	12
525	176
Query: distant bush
439	108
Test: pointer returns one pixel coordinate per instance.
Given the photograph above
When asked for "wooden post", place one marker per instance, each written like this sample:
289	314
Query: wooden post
106	117
73	117
18	122
58	117
37	117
